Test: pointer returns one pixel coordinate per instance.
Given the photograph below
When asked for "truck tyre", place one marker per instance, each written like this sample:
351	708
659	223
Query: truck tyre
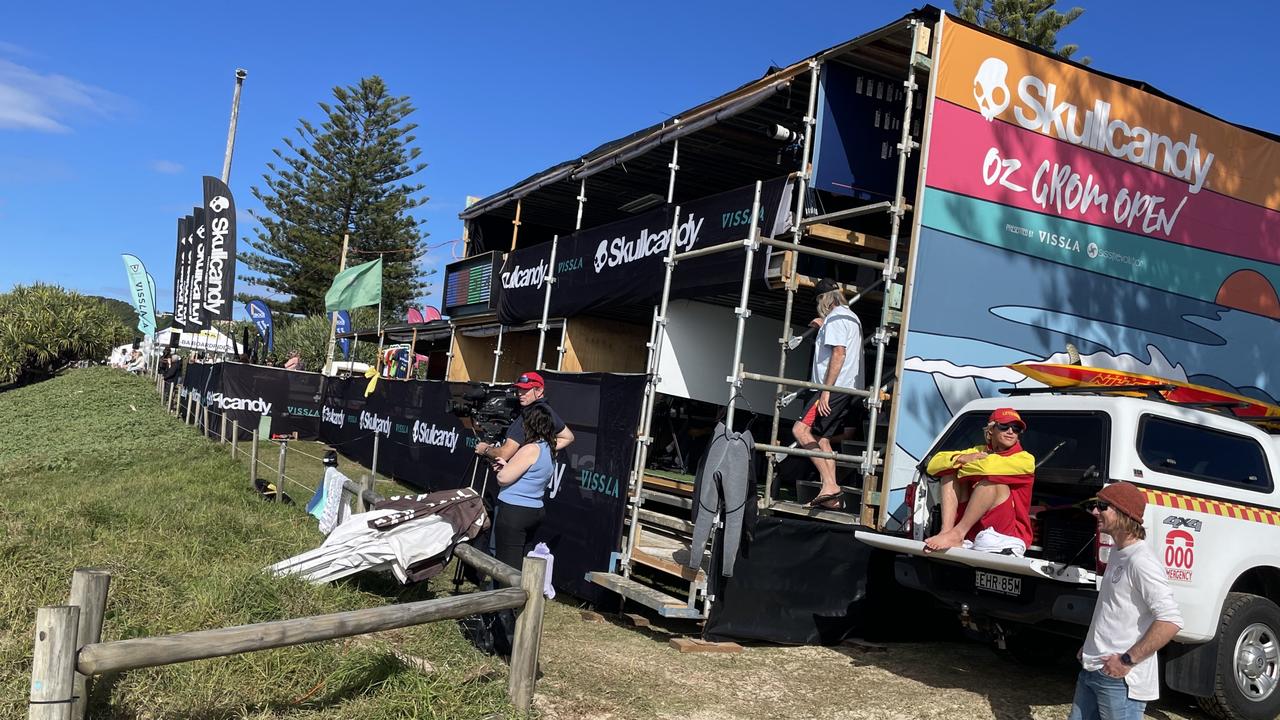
1248	664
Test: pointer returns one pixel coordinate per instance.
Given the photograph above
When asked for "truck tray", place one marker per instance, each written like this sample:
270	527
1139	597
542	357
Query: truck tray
1031	567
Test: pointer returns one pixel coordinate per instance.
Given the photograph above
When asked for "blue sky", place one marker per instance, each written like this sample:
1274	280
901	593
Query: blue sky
111	112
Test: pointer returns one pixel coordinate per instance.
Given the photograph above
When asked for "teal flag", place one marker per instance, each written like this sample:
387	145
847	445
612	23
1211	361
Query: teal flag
142	294
355	287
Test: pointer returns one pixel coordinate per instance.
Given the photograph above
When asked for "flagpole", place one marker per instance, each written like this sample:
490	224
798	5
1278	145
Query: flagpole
241	74
333	317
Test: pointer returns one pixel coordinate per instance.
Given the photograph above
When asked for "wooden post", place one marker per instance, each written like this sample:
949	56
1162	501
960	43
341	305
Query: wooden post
53	664
284	451
524	651
89	593
373	469
235	437
189	398
364	485
253	459
204	424
222	429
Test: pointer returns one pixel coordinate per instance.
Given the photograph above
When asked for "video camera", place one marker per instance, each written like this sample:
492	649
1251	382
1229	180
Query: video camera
488	410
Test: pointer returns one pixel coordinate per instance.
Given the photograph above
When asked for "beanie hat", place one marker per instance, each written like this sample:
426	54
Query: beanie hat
1126	498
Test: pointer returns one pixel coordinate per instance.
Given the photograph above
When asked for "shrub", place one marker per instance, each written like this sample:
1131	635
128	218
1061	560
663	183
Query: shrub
44	328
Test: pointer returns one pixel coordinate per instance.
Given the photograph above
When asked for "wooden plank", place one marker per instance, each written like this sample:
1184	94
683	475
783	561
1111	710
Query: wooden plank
668	483
666	521
667	565
696	645
487	564
120	655
636	620
849	237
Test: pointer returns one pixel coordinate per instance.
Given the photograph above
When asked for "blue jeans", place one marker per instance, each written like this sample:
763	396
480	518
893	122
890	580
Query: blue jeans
1101	697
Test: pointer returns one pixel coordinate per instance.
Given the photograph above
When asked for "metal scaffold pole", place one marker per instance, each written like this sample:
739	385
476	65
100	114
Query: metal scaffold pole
797	231
656	332
497	356
742	311
550	281
906	146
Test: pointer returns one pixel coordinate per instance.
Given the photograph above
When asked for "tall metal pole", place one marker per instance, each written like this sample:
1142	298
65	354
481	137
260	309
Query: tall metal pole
241	74
333	319
550	281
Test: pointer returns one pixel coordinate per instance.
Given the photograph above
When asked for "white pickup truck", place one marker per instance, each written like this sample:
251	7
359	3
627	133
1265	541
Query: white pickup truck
1213	518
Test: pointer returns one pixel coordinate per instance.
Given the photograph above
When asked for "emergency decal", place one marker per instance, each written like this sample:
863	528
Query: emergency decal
1212	507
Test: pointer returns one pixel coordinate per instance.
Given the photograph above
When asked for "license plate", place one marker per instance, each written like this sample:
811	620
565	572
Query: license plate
1002	584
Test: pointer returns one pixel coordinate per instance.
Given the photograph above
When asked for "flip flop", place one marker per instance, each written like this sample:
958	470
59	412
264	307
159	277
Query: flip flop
822	500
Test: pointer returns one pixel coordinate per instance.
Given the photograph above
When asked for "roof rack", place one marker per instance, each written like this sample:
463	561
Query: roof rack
1152	392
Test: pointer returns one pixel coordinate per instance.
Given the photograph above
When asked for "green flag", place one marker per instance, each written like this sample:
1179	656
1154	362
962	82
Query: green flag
355	287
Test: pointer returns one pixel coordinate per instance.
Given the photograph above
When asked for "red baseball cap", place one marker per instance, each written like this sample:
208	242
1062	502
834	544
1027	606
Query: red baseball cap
530	380
1008	416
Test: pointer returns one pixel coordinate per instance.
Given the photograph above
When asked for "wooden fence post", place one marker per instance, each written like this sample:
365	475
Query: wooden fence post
89	593
524	651
235	437
284	452
222	429
253	459
204	425
189	403
53	663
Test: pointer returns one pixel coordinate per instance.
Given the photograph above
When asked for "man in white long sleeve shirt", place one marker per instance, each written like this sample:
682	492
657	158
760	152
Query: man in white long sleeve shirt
1135	616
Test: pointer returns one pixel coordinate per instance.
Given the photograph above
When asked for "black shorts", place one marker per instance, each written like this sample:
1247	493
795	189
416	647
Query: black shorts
845	410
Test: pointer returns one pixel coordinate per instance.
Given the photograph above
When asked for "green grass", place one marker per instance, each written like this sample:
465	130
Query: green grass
93	473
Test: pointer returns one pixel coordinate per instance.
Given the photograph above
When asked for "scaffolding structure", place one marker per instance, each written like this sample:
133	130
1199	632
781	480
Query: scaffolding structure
657	528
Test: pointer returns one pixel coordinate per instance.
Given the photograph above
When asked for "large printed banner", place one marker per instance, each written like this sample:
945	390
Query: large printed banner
622	263
1003	82
247	392
1090	213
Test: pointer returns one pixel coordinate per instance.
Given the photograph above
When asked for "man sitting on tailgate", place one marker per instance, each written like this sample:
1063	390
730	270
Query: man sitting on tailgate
986	490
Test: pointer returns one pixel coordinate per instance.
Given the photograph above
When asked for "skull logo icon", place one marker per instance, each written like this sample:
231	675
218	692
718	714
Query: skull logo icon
602	255
990	88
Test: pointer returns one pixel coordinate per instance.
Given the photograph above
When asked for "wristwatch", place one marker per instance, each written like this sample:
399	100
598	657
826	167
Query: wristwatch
1127	659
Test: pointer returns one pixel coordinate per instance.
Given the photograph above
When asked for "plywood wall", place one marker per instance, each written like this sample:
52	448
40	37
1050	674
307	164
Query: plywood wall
598	345
473	356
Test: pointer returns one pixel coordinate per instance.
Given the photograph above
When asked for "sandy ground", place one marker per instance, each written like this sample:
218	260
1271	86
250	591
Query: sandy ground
611	669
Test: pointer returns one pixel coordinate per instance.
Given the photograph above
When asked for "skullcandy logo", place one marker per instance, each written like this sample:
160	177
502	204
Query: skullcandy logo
519	277
219	203
429	434
331	416
1041	110
987	84
620	250
259	405
370	421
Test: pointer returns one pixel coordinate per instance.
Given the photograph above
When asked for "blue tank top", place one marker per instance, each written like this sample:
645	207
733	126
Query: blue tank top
529	490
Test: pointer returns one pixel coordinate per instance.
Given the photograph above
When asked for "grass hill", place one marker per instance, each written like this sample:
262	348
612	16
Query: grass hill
94	474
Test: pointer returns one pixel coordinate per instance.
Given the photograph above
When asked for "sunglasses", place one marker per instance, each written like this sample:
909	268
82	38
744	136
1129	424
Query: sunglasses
1005	427
1099	505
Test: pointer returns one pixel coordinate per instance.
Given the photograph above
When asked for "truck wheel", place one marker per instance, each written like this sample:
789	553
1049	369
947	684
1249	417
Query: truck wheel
1248	665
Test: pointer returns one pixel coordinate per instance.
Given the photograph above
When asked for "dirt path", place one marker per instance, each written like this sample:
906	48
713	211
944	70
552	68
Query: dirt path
612	670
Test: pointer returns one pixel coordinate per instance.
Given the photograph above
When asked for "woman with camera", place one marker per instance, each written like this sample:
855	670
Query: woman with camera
524	480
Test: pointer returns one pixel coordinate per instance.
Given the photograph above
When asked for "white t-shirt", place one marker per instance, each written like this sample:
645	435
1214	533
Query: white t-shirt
1135	593
840	328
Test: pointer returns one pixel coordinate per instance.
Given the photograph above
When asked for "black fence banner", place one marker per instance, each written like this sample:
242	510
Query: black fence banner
180	271
220	231
588	498
420	442
622	263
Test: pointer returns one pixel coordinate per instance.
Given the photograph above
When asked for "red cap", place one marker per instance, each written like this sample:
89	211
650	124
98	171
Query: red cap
1008	416
530	380
1126	498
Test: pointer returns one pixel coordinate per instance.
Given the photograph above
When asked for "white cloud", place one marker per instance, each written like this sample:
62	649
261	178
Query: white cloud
30	100
166	167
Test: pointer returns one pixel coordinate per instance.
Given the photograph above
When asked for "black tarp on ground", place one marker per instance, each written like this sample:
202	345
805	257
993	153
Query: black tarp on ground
795	581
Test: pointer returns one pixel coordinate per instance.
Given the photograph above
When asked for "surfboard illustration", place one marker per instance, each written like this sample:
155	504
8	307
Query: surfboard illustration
1059	375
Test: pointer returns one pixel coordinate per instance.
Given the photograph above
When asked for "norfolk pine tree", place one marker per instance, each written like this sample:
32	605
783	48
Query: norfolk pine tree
1031	21
348	174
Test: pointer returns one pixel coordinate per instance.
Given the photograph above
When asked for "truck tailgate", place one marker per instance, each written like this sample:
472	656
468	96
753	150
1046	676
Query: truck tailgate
1070	574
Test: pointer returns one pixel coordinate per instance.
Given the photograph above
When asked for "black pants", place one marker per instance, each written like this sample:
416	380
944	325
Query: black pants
513	532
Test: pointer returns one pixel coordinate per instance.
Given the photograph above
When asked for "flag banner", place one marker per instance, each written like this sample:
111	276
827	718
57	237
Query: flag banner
200	268
141	293
414	315
220	232
430	314
195	276
260	314
622	263
343	325
355	287
181	273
